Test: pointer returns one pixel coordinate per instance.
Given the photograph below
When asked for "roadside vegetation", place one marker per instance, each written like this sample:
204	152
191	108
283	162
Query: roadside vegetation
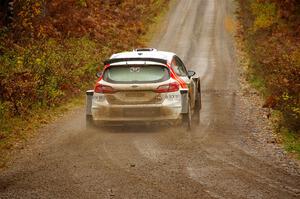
50	50
270	31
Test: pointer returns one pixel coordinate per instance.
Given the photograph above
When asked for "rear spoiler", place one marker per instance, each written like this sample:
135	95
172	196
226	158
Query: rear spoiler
115	60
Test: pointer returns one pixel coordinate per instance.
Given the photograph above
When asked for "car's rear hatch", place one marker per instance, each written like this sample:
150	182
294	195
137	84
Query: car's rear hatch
135	84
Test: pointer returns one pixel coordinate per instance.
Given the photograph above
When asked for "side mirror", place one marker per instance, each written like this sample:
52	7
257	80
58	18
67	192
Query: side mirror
191	73
98	74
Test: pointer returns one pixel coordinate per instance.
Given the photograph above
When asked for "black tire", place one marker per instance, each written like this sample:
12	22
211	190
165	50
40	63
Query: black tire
198	106
198	102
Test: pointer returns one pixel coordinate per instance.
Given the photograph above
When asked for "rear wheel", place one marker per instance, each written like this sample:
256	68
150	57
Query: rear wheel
198	102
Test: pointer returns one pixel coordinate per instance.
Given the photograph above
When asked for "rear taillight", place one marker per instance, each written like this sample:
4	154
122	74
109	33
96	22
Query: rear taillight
104	89
172	87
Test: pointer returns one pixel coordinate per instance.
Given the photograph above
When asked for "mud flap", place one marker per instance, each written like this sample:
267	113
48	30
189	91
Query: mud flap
89	99
196	79
198	101
184	100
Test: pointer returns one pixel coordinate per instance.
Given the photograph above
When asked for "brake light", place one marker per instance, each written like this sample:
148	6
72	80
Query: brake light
104	89
172	87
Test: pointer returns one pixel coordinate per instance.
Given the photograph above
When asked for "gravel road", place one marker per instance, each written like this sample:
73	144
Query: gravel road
232	154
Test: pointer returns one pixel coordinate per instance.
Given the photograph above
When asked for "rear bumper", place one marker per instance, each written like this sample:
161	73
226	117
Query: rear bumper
169	110
135	113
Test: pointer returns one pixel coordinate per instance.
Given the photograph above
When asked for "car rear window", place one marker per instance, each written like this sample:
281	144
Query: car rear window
136	74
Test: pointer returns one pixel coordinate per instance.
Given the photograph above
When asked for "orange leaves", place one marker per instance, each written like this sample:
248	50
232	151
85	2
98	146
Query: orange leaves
53	49
274	49
20	89
27	19
36	9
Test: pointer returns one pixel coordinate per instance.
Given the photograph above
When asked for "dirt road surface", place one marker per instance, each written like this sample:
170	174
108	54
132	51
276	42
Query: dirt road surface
227	156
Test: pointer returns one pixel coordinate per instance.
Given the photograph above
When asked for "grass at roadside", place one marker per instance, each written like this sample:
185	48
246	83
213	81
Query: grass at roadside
291	142
258	83
289	139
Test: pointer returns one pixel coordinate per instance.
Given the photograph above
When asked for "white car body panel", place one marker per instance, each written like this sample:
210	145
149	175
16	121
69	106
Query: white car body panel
140	102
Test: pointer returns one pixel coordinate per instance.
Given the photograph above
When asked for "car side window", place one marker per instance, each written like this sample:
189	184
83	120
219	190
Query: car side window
178	67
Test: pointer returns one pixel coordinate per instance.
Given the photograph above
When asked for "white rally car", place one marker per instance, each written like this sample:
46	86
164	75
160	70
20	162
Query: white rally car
144	86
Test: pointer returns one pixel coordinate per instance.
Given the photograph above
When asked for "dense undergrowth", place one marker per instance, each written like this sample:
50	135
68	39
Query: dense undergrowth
270	30
50	51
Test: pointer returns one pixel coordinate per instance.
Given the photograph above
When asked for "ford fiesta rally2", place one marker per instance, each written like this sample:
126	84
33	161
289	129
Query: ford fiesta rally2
144	86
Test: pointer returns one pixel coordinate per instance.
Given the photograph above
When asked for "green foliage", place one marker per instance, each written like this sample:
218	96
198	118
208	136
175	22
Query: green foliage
82	3
291	141
47	72
258	83
265	14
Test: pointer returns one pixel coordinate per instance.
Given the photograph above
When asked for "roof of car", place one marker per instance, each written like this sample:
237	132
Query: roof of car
147	54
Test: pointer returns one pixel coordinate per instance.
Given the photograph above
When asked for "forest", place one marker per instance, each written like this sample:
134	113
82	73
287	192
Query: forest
270	31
